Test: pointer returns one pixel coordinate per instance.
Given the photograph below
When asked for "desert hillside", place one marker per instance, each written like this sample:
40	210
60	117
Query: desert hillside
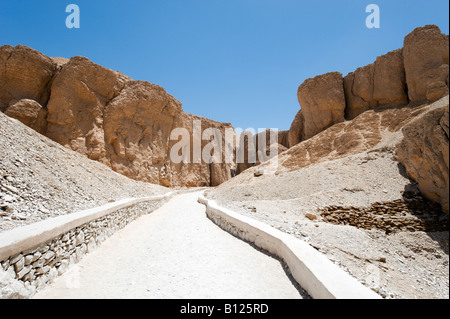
40	179
362	174
104	115
366	177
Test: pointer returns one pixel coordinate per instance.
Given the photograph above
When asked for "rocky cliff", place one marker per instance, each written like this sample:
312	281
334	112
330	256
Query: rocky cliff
414	75
103	114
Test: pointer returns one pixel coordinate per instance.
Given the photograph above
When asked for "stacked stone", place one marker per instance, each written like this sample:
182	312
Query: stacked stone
41	265
411	215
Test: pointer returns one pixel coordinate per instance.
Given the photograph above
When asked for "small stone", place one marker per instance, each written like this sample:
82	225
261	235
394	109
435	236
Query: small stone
30	276
23	272
44	210
79	239
8	199
36	256
16	259
259	172
42	270
49	255
38	263
311	216
28	260
18	216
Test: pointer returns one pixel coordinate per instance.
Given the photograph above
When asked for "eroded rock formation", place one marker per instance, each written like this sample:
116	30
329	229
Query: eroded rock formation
25	74
30	113
376	85
323	102
104	115
426	59
415	73
424	151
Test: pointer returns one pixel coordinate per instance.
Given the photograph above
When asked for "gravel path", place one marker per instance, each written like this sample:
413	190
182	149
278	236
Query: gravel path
175	252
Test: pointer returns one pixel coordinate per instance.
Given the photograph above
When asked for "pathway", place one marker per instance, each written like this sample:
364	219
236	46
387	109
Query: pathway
174	252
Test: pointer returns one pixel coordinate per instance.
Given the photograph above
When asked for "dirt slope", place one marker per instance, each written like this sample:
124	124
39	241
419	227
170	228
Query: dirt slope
40	179
346	170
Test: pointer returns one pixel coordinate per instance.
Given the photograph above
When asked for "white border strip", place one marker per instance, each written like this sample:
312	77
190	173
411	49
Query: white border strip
28	237
315	273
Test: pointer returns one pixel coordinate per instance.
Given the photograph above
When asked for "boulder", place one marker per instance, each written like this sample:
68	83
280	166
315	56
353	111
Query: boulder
436	90
424	152
426	59
322	101
105	115
24	74
379	84
80	93
138	124
30	113
137	127
295	134
390	80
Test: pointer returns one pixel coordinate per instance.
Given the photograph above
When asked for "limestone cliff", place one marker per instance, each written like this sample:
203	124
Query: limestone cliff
105	115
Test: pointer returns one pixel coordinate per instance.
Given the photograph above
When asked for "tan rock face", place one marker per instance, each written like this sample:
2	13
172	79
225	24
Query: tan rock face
378	84
25	74
137	124
322	102
106	116
80	92
295	134
426	59
30	113
424	151
348	138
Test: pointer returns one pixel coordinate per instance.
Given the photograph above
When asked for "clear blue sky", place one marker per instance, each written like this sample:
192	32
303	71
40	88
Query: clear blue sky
238	61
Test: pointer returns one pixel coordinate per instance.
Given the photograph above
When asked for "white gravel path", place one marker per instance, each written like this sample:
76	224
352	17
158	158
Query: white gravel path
174	252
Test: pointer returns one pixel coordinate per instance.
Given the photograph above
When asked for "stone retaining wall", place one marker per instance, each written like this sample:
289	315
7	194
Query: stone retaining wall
312	270
38	267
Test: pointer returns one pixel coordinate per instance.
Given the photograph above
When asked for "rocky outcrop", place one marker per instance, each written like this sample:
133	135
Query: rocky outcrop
253	153
426	59
80	93
348	138
30	113
295	134
424	151
417	72
323	102
25	74
376	85
105	115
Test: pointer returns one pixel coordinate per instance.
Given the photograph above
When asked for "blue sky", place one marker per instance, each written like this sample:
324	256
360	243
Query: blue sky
237	61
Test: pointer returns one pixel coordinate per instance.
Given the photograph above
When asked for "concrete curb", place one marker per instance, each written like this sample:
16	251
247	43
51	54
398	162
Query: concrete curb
28	237
315	273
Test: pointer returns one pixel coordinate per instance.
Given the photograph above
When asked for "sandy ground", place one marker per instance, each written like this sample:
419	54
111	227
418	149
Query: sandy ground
175	252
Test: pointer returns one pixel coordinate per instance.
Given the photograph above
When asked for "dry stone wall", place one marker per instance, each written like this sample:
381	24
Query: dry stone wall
37	267
415	214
